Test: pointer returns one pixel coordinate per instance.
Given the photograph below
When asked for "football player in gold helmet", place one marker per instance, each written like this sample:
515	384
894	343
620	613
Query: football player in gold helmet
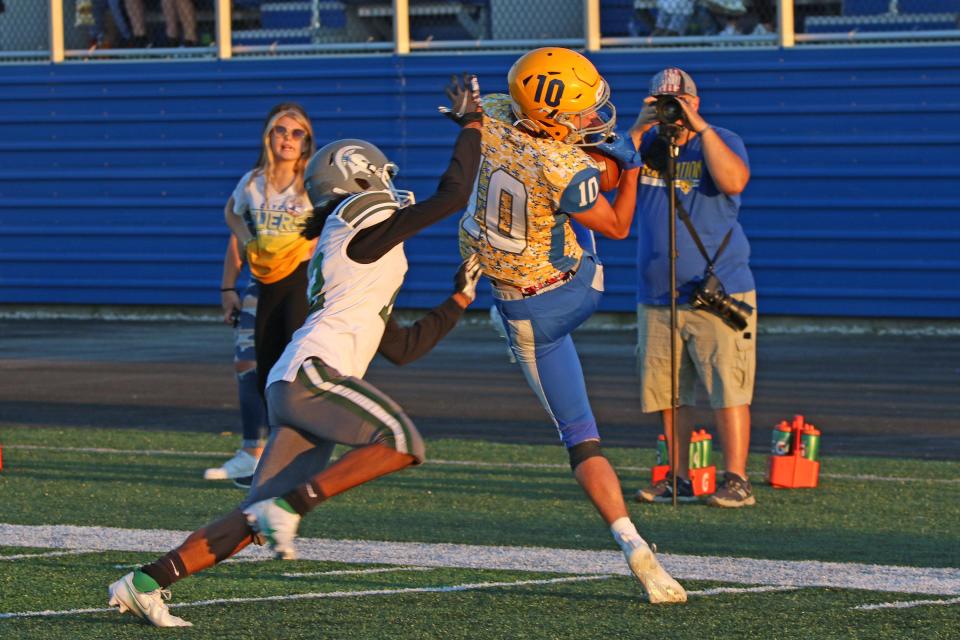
559	93
534	177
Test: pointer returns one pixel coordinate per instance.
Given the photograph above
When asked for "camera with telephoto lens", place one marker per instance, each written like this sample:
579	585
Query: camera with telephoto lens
712	297
668	109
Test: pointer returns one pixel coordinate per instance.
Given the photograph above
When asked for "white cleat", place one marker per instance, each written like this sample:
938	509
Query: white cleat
277	525
242	464
149	606
659	585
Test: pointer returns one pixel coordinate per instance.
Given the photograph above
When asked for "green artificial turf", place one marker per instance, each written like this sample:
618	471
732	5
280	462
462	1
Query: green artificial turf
472	493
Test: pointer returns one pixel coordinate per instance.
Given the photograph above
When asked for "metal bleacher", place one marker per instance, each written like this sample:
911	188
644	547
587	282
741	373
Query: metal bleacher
331	21
279	22
307	22
617	18
889	16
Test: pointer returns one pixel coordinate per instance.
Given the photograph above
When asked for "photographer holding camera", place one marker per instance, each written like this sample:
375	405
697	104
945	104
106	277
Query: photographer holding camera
716	299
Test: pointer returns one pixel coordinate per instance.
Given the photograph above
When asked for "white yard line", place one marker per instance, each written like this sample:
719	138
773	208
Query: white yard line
133	452
317	596
458	463
49	554
353	572
383	592
905	604
390	592
741	571
719	591
236	560
758	472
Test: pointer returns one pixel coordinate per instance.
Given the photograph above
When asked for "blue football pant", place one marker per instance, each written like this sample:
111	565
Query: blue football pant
538	330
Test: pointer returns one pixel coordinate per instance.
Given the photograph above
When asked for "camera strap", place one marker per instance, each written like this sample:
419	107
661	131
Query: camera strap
685	217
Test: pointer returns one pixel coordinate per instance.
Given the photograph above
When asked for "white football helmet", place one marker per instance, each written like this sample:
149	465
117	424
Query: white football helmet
351	166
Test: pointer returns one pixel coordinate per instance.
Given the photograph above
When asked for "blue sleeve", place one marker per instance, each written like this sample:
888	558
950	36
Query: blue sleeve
735	143
647	139
582	191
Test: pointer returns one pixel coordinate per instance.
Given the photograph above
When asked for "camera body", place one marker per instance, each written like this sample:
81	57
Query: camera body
713	298
668	109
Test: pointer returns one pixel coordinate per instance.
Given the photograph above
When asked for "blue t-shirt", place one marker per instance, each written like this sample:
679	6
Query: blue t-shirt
712	212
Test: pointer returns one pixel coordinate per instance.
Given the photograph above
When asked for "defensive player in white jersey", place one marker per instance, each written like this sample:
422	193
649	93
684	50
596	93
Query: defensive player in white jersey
535	177
316	396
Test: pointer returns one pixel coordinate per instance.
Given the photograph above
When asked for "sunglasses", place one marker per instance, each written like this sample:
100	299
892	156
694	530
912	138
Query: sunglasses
283	132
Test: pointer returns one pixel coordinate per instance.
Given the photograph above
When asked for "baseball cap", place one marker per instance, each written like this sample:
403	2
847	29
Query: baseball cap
672	82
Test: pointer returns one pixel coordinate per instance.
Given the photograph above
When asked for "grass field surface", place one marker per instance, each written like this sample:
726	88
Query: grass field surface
483	541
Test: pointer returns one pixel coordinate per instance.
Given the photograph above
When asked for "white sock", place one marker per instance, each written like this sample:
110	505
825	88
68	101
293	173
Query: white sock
625	533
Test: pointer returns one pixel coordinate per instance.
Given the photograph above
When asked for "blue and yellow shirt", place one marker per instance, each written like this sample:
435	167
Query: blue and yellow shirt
276	219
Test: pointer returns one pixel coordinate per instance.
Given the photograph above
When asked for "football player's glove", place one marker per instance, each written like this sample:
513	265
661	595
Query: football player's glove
467	276
464	96
621	149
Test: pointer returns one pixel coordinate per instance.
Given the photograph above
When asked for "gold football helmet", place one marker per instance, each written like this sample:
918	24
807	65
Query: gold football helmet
558	92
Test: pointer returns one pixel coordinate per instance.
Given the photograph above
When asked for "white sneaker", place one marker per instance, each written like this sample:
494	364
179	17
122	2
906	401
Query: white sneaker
659	585
149	605
278	525
240	465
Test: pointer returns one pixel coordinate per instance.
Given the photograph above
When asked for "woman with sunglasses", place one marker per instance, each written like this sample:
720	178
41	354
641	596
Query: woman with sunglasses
266	214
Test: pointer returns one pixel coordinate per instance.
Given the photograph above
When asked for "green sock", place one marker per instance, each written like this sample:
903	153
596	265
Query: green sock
144	583
283	504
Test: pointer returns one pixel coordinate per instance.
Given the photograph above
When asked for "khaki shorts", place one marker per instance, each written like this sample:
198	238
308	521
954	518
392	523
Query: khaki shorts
710	351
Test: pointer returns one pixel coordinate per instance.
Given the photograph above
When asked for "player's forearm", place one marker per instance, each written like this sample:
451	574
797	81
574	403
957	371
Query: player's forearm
403	345
452	194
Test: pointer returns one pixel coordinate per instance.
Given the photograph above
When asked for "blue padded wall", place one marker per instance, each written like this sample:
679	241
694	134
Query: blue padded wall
115	175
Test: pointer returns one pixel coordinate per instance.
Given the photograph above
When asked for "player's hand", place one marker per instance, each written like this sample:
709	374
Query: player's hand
464	96
230	302
467	276
621	149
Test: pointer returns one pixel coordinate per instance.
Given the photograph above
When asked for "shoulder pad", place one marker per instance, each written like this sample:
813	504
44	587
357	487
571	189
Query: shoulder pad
364	209
563	162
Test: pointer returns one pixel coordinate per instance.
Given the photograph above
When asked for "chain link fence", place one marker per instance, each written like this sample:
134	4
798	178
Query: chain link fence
371	22
24	30
907	18
677	18
173	29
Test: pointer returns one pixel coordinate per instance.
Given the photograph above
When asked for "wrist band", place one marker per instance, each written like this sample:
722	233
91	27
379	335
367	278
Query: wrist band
228	289
704	130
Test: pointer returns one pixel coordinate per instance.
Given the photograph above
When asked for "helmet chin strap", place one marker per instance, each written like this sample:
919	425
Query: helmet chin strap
529	127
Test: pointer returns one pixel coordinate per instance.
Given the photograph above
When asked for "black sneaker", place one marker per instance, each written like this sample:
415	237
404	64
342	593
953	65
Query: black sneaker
663	491
736	492
243	482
